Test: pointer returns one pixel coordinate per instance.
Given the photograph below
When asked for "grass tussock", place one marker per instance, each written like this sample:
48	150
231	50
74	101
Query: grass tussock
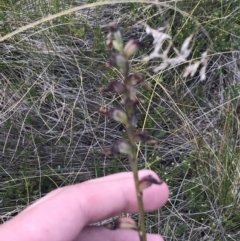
51	132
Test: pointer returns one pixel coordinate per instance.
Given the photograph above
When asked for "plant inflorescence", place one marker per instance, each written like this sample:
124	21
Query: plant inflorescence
126	87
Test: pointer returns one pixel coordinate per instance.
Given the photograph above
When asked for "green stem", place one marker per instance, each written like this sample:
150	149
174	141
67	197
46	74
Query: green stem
134	165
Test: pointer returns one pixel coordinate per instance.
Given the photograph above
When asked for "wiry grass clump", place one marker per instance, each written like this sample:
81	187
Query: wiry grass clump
51	132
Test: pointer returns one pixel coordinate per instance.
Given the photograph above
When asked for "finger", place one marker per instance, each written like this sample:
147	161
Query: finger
108	178
120	176
69	209
106	199
103	234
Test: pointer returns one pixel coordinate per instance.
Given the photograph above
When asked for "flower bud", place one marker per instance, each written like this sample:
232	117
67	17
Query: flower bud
130	48
123	147
103	111
109	41
112	27
147	182
141	136
135	79
120	116
114	86
118	61
131	100
106	152
117	42
125	223
152	142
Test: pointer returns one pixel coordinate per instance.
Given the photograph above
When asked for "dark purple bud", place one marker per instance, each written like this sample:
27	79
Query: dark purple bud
113	59
152	142
135	79
131	101
141	136
114	86
103	111
148	181
118	61
112	27
145	86
106	152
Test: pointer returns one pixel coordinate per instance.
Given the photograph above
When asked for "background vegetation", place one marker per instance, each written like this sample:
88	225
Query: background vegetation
50	131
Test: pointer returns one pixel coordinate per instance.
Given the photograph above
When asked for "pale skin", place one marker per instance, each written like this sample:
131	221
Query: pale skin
65	214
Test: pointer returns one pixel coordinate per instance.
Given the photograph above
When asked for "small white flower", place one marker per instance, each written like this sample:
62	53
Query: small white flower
158	37
191	69
185	51
176	61
162	66
153	55
204	61
204	58
203	73
181	56
164	55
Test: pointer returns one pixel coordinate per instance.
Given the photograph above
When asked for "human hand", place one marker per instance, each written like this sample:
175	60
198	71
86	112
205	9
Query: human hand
65	214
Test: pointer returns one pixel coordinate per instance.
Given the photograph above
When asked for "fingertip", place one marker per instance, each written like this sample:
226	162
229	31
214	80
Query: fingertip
155	196
117	196
99	233
154	237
